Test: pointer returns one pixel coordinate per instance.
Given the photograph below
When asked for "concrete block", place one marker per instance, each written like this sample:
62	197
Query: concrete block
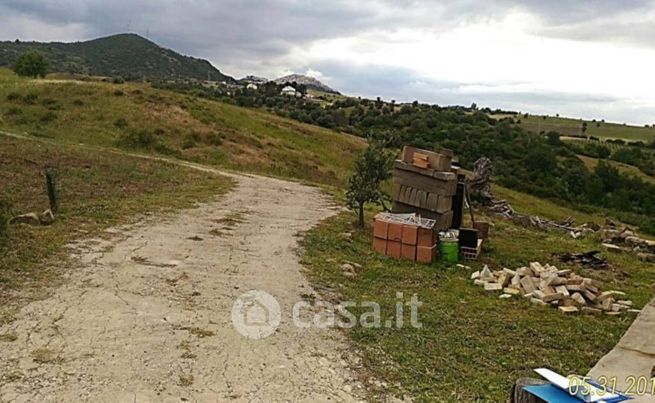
528	284
591	311
578	298
492	287
553	297
561	289
568	310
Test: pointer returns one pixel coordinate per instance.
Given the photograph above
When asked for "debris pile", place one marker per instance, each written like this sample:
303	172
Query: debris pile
480	187
626	240
587	259
563	289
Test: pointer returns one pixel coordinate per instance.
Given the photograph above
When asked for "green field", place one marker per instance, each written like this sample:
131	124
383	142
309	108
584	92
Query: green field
472	346
573	127
626	169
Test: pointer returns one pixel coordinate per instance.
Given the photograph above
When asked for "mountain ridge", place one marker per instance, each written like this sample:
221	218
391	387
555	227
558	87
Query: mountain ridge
308	81
126	55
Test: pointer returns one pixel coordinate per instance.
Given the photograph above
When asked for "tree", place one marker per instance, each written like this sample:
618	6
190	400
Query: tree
372	167
31	64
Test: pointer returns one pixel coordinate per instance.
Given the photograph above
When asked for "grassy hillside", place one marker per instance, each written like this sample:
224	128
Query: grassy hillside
572	127
139	118
627	169
125	55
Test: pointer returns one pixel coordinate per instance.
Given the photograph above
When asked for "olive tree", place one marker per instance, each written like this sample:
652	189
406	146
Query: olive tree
372	167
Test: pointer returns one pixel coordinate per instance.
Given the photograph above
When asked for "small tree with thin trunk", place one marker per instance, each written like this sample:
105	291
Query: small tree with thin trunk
372	167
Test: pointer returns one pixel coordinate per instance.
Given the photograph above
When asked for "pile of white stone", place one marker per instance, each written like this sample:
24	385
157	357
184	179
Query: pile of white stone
563	289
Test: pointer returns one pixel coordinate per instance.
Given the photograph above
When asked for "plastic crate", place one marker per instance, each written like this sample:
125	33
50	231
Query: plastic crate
471	253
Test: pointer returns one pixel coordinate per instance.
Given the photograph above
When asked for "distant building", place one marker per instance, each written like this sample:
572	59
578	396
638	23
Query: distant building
289	90
251	86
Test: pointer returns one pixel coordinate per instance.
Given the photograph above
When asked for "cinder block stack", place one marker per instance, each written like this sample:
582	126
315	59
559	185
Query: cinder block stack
425	184
398	239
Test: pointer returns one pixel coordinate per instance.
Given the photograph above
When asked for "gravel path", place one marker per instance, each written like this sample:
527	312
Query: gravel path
145	313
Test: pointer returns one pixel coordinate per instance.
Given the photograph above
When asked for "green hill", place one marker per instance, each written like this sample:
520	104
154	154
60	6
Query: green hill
124	55
573	127
137	117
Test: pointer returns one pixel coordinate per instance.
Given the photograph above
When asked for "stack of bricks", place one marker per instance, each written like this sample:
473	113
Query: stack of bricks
401	240
425	184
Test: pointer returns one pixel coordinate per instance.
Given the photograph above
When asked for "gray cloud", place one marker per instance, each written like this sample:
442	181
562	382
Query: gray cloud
248	36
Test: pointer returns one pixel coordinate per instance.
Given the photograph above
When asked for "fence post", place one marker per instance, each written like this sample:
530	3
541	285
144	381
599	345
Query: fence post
51	186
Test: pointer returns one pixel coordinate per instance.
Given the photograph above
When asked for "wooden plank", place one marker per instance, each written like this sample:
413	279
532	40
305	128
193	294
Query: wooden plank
432	201
429	172
445	203
430	185
439	161
407	166
423	202
397	187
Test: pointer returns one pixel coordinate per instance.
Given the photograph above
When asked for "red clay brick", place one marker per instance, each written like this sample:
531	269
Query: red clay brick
380	229
380	245
394	249
410	234
426	237
395	232
426	254
408	252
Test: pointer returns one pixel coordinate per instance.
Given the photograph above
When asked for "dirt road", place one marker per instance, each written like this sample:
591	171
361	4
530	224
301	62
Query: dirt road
146	313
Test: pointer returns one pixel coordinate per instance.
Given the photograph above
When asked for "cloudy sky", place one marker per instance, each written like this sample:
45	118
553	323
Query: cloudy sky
581	58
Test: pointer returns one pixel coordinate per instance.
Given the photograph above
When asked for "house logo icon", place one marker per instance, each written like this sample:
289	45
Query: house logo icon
256	314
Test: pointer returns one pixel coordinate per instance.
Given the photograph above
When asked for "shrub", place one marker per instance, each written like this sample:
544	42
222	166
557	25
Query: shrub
13	111
78	102
48	102
49	117
13	96
118	80
214	139
137	138
188	143
119	93
30	98
121	123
